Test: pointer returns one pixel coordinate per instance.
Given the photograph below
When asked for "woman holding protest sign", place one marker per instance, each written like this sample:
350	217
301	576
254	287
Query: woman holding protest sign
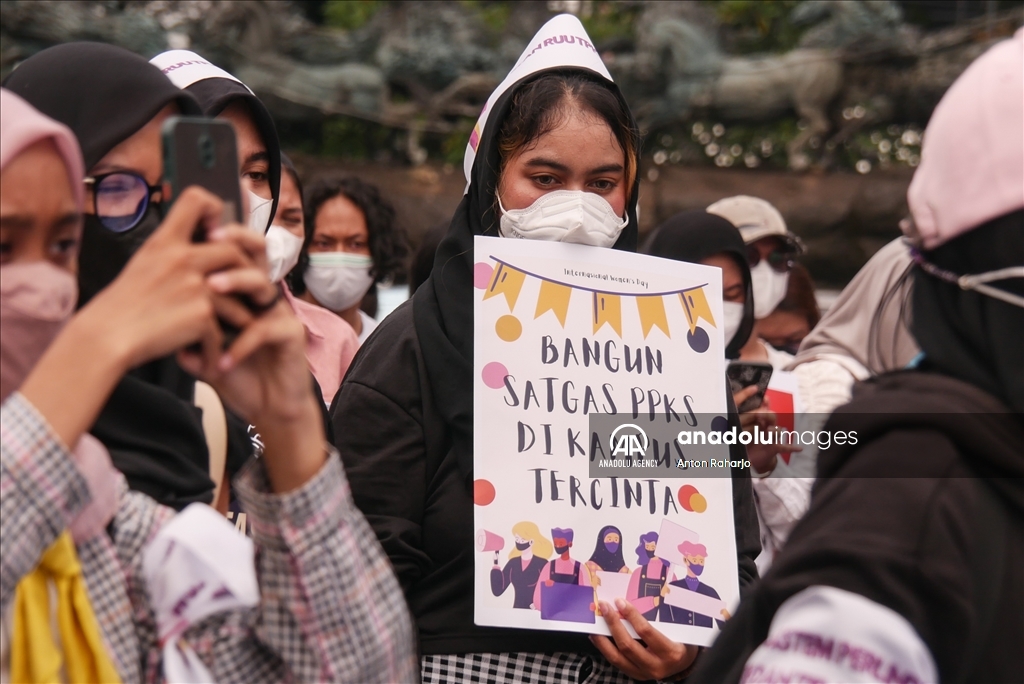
553	157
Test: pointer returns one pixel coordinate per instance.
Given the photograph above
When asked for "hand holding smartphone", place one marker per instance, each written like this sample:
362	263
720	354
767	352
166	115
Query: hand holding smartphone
201	151
742	374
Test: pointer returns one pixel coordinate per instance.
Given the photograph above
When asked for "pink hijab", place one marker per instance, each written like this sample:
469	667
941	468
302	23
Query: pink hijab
37	299
21	126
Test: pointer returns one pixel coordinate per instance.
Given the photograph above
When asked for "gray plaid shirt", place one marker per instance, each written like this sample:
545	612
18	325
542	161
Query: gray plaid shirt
331	609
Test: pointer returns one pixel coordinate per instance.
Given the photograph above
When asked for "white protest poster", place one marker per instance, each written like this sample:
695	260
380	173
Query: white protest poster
564	333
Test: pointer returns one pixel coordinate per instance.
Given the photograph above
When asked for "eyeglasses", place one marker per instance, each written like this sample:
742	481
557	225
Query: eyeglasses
120	199
781	260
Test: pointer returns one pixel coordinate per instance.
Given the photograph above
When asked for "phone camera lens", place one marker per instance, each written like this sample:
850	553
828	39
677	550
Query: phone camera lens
207	154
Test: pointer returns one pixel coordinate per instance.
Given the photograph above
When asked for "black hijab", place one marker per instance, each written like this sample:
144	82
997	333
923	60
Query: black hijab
968	335
104	94
216	94
605	559
694	235
193	74
443	305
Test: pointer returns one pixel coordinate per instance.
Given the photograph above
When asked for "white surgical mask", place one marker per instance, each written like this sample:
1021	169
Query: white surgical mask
769	288
732	312
283	250
259	212
565	216
338	280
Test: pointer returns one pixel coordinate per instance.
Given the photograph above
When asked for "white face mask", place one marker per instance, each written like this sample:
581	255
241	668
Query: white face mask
769	288
259	212
732	312
283	250
583	218
338	280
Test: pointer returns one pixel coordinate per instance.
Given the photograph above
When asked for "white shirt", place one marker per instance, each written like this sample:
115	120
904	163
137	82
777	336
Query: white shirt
369	325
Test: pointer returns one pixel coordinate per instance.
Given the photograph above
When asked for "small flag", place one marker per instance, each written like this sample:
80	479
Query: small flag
652	313
507	281
695	304
608	309
553	297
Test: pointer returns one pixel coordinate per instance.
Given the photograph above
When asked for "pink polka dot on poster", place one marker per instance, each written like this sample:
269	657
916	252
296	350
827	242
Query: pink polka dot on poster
494	375
482	275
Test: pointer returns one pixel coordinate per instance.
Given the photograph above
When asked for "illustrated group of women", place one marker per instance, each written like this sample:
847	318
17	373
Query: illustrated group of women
347	445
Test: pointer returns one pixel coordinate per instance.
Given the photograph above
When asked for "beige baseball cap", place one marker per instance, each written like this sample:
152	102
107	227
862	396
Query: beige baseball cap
755	218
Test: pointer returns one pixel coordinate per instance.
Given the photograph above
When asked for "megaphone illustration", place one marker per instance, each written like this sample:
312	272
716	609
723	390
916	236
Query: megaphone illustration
488	541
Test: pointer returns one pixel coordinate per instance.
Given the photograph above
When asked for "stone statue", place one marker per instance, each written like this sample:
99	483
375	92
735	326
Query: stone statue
678	72
428	67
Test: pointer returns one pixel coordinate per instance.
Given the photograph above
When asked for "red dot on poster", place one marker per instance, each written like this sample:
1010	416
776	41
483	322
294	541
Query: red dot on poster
482	275
685	492
483	492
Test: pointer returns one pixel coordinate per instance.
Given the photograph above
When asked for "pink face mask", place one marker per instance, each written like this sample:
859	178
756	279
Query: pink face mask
36	300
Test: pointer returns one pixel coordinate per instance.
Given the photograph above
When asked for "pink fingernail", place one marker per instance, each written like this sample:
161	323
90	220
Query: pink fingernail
218	281
217	234
620	604
225	362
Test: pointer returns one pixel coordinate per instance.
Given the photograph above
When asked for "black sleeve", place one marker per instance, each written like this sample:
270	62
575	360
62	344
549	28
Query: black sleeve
384	452
902	542
748	531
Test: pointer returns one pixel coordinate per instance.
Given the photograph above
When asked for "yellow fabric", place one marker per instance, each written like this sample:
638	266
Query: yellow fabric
34	655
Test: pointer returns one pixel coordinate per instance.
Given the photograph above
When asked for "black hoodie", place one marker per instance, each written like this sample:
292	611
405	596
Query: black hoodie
403	422
901	519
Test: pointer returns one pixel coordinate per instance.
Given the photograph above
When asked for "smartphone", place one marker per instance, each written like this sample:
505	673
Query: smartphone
743	374
203	152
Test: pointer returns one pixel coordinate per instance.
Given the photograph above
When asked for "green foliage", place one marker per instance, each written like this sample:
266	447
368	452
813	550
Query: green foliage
493	14
453	145
759	25
610	20
350	14
350	138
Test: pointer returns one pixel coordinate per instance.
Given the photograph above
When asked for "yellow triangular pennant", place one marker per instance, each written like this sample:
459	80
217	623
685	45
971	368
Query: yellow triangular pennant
608	309
652	313
695	305
553	297
507	281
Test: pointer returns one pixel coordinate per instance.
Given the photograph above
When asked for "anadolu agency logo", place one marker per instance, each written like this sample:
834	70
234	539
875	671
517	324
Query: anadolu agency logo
628	441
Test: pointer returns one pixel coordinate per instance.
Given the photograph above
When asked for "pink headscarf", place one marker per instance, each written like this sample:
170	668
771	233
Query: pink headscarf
21	126
38	298
972	169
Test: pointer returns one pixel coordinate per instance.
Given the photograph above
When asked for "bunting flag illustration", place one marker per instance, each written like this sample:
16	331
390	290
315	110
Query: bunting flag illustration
553	297
695	304
608	309
507	281
652	313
